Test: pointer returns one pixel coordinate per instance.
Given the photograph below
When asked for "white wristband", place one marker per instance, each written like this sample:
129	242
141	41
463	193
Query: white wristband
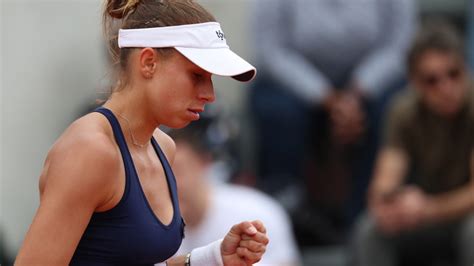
209	255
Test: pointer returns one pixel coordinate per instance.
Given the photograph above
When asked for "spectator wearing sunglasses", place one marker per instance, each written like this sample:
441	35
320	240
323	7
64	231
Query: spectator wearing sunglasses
421	198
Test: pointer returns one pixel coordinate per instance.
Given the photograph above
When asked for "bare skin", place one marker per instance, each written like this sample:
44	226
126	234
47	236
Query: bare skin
84	172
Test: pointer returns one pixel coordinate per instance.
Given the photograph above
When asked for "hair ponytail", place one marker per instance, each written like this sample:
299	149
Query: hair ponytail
115	10
119	9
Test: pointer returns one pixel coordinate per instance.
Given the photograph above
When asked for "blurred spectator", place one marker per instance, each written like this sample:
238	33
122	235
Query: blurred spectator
325	67
421	200
209	208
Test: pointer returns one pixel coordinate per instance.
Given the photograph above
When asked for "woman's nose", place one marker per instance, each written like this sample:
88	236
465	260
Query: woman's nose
206	93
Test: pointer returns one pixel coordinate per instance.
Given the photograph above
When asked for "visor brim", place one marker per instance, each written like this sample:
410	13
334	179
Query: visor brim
221	62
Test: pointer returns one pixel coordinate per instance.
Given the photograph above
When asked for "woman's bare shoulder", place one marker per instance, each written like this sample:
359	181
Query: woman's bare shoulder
89	135
166	143
85	156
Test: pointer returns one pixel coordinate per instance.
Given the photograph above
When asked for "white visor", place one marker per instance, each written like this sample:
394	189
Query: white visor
204	44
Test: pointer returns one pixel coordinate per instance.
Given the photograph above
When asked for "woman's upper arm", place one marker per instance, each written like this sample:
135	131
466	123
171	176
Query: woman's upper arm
77	180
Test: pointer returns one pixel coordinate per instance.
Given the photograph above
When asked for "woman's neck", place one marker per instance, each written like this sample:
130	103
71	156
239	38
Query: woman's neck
135	119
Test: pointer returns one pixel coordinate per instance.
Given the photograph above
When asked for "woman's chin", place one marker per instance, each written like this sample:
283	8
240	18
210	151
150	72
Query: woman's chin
178	125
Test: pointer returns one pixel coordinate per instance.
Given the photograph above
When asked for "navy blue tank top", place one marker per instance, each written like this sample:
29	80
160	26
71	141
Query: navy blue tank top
130	233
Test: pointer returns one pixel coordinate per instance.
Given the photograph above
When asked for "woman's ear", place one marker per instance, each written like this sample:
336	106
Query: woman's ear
148	62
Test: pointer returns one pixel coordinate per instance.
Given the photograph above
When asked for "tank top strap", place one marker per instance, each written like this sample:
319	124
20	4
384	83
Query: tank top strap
168	173
162	156
118	134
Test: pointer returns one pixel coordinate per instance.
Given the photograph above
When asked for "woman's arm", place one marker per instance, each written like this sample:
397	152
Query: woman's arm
77	180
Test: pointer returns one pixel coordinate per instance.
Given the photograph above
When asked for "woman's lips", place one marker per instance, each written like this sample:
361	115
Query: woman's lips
195	113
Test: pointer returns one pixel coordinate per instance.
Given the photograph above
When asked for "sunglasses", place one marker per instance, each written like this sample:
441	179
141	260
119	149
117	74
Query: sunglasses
431	80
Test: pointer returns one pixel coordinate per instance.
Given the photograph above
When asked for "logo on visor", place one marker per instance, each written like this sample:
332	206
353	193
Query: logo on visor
220	35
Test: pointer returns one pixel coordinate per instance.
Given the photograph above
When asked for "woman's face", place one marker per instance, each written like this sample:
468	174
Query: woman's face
178	91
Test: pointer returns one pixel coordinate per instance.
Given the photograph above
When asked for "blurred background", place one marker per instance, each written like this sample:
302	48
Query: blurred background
279	135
